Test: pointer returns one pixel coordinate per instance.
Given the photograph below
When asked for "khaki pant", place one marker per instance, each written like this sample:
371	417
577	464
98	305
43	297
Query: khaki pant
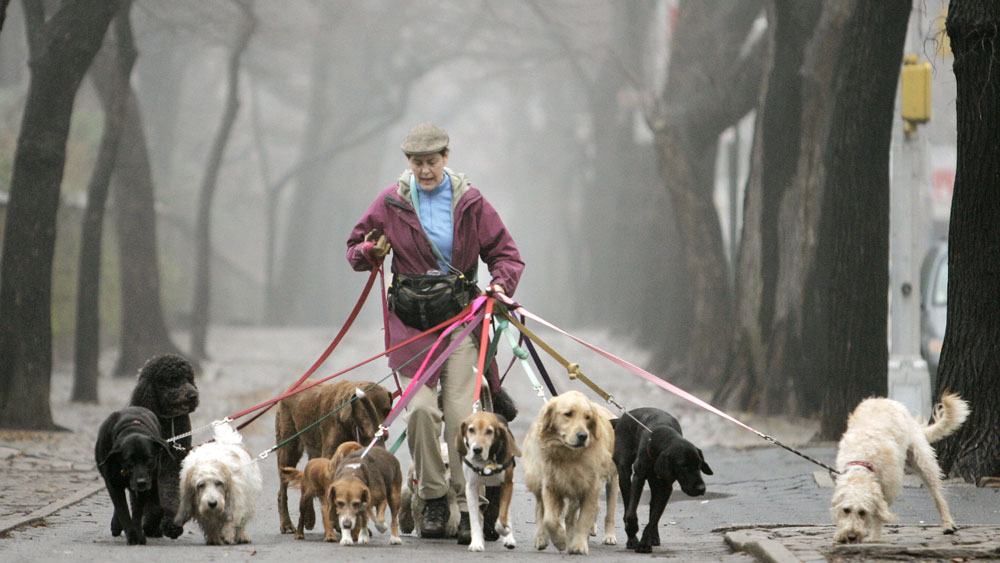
423	430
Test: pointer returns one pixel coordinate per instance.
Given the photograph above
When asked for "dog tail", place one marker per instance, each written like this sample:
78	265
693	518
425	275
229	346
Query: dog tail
291	477
226	434
949	415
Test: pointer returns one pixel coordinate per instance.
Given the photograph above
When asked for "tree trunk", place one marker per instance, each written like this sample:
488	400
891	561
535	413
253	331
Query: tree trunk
748	382
203	232
68	42
143	330
711	85
845	302
970	359
3	12
118	65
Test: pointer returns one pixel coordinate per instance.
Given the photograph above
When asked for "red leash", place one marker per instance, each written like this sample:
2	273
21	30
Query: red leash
298	387
333	344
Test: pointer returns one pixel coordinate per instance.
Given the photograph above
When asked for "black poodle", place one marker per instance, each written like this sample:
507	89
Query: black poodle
166	387
128	451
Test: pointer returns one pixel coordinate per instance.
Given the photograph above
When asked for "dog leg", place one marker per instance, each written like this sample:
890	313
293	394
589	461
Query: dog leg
394	503
631	494
930	472
475	520
611	501
503	527
305	507
229	533
406	511
242	536
380	517
659	492
168	486
541	534
585	521
491	512
288	456
330	533
132	526
553	508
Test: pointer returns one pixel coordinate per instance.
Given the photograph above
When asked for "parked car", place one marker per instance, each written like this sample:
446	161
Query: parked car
933	304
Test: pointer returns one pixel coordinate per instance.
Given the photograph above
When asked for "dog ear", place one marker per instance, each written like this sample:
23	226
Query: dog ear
549	418
512	448
460	445
186	507
364	496
498	450
704	466
115	452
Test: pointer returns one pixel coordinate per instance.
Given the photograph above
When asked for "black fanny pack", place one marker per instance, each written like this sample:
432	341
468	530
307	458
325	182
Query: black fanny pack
422	301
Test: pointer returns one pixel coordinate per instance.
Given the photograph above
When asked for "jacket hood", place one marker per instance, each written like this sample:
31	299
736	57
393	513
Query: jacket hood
459	185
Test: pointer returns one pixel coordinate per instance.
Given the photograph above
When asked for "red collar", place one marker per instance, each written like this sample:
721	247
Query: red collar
865	464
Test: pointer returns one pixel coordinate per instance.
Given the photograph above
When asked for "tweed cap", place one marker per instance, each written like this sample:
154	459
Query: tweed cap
425	138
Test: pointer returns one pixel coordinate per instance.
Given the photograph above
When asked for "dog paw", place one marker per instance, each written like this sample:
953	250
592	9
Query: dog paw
171	530
541	540
509	542
395	540
579	546
631	542
949	528
346	540
644	548
610	539
135	538
381	527
476	546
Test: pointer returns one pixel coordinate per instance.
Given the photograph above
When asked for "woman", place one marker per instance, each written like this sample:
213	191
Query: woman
434	221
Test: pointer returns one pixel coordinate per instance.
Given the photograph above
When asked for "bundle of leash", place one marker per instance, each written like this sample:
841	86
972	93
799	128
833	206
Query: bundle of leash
575	448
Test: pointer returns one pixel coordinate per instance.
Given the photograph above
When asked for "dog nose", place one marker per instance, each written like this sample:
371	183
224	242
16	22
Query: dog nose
477	450
699	489
346	524
852	537
191	395
142	484
581	438
213	503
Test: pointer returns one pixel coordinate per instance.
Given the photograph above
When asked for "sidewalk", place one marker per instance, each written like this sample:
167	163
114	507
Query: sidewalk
761	500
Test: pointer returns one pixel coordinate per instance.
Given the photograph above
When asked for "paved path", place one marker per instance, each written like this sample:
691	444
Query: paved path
760	486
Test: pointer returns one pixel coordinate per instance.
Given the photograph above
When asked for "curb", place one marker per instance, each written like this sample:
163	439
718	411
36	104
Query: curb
761	548
9	524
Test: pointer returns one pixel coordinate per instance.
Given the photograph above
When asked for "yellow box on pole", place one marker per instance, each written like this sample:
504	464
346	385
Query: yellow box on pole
915	90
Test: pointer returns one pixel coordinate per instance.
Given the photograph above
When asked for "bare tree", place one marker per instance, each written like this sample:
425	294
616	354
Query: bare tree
143	329
117	58
202	293
970	360
62	49
754	378
712	81
3	12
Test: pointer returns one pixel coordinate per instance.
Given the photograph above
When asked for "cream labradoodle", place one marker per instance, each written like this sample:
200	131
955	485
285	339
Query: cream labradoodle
881	437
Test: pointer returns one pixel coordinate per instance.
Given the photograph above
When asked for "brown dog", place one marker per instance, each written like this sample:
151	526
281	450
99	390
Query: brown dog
356	422
316	481
488	450
362	485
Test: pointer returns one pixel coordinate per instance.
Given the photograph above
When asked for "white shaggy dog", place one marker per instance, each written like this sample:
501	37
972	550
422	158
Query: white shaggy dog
219	484
881	437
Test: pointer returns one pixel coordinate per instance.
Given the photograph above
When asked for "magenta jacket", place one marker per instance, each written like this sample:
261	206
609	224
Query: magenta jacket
479	233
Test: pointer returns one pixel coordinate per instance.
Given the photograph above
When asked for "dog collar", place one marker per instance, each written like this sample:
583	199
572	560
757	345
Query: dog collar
490	468
865	464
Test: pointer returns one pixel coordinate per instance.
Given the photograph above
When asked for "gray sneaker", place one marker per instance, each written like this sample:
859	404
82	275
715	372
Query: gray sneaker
436	514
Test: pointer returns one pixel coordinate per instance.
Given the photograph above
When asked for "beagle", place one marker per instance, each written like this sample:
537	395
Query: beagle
488	450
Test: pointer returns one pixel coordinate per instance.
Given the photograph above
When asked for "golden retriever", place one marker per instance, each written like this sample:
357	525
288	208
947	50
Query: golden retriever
567	456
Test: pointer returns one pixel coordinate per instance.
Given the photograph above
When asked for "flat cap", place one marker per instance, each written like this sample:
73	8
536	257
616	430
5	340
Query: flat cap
425	138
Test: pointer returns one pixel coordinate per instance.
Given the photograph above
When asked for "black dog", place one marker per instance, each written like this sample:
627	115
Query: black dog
166	387
660	458
128	452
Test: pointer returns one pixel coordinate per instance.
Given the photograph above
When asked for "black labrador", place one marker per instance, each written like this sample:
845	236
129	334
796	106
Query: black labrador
129	452
166	387
660	457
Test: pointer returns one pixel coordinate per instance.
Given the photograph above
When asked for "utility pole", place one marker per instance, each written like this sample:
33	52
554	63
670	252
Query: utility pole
909	378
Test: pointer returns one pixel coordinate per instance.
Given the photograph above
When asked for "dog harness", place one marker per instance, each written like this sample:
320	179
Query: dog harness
865	464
